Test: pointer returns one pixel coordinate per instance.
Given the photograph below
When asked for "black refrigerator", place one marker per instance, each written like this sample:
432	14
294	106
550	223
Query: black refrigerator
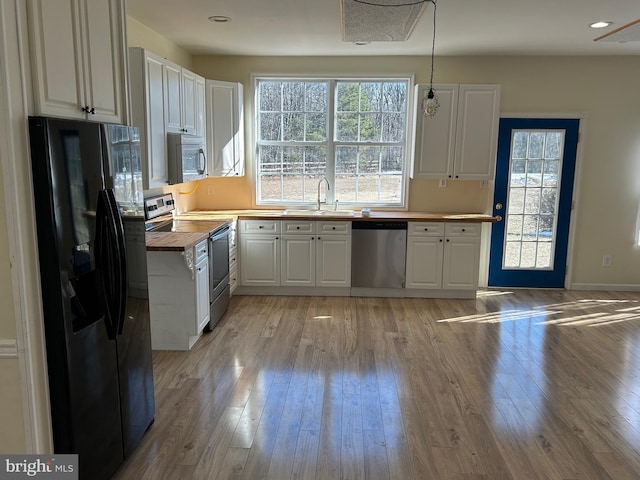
97	334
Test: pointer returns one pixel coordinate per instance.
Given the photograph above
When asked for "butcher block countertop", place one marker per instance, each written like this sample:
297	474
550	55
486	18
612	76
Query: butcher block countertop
374	216
173	241
181	241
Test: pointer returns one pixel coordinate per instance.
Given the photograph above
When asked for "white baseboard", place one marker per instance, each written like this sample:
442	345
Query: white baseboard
606	287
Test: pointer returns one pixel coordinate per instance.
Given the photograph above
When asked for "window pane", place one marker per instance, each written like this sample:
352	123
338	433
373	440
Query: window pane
316	127
520	140
347	127
553	145
370	127
393	127
293	95
532	201
346	187
270	126
348	97
293	126
371	97
270	94
346	159
316	97
394	97
536	144
550	178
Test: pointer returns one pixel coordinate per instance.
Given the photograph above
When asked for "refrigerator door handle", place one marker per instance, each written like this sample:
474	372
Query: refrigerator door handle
104	261
120	244
107	261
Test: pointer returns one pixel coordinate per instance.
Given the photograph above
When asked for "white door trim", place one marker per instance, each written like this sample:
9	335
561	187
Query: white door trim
18	203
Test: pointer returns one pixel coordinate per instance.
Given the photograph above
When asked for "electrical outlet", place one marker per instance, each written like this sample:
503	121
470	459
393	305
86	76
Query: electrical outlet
607	260
210	190
443	183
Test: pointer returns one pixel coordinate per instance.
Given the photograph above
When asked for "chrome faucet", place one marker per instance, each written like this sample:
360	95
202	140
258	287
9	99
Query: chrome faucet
328	188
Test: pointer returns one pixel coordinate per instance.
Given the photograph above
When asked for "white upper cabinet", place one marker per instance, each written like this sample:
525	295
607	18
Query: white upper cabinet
460	141
147	113
78	59
181	100
173	97
164	98
225	128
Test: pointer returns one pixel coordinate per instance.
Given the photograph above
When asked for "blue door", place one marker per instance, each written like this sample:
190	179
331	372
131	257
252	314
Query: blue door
533	188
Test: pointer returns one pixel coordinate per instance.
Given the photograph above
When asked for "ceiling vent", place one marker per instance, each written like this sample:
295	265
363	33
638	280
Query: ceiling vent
379	20
626	33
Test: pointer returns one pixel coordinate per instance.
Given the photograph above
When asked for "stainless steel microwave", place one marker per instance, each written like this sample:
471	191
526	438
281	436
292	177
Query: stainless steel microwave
186	157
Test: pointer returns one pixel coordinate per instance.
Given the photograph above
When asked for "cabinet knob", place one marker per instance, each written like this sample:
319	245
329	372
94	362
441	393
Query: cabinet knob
464	229
440	240
334	228
312	238
89	109
260	226
277	238
447	239
297	228
426	229
319	238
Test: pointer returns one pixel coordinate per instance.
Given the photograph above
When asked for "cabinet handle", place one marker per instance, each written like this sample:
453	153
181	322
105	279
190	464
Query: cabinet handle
89	109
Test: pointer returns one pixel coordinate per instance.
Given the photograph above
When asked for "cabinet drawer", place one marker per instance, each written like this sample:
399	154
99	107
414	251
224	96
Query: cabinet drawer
201	251
298	226
334	227
260	226
462	229
426	229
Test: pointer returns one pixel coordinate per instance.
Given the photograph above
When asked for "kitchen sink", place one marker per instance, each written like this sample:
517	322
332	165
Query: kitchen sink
320	213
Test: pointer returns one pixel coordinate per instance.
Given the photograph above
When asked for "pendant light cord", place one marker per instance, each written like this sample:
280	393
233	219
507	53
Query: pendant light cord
433	43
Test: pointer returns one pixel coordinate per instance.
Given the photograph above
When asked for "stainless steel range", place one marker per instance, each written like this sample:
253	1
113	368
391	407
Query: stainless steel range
159	213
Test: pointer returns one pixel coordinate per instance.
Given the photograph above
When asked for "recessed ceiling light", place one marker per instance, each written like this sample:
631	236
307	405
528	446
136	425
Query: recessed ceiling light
600	24
219	19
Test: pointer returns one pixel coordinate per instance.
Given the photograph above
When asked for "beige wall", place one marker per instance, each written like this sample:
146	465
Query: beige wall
139	35
604	89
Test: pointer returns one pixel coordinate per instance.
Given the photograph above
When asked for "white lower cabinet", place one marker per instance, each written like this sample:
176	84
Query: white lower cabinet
259	253
178	296
443	256
296	253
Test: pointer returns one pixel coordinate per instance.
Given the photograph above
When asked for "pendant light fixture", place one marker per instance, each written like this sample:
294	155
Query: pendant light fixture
430	103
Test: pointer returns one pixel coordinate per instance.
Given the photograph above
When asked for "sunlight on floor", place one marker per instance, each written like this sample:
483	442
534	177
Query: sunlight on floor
553	314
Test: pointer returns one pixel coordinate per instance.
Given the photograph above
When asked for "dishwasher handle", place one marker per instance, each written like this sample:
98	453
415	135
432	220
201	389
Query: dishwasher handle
381	225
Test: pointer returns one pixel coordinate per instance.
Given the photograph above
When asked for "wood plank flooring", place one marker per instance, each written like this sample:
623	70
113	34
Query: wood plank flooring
521	384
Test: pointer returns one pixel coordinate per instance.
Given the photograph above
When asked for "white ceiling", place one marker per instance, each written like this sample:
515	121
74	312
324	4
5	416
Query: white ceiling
464	27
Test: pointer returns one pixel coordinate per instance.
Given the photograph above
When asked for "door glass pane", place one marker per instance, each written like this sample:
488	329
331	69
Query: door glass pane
532	205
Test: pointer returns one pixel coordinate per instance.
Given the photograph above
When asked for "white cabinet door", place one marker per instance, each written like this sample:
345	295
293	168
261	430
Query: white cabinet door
202	295
154	131
77	47
461	263
260	260
477	131
225	128
435	137
173	97
201	108
333	261
424	262
298	260
103	61
189	114
460	141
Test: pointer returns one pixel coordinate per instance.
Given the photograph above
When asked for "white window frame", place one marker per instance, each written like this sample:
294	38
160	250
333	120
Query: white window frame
332	80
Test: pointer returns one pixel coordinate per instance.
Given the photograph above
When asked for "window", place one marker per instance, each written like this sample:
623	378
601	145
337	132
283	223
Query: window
354	132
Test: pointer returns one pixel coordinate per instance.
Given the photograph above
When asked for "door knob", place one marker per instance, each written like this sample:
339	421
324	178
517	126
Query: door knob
498	206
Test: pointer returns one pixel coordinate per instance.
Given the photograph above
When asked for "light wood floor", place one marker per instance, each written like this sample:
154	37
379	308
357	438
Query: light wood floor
513	385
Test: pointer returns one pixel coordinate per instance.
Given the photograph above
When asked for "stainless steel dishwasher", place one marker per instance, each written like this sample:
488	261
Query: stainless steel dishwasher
378	254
